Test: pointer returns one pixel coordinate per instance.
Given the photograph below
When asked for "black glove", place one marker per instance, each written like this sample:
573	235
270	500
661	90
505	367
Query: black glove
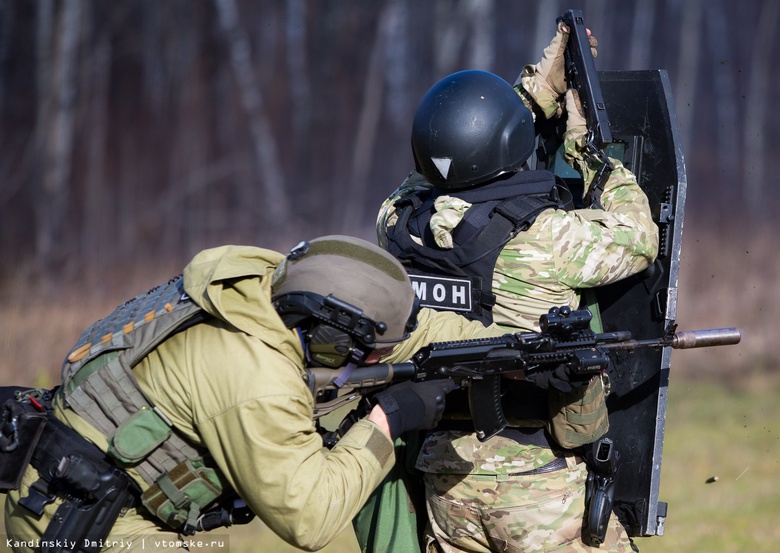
562	378
414	405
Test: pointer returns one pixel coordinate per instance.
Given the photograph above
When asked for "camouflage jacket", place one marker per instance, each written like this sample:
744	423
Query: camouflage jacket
561	253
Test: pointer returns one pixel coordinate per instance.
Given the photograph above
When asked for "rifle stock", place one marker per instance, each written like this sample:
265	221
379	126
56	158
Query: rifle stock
479	364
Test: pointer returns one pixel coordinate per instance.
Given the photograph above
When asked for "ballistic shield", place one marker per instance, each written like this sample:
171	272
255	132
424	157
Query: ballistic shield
646	137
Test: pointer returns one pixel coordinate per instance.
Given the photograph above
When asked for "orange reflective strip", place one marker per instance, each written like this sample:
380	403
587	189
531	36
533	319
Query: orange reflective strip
79	353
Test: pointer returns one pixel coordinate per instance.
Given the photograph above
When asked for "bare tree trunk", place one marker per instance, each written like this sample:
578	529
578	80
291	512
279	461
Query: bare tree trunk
642	34
7	17
15	165
56	99
398	75
449	33
760	104
546	15
483	52
96	227
43	46
300	84
602	14
688	68
368	125
156	80
725	97
190	163
454	25
457	24
274	206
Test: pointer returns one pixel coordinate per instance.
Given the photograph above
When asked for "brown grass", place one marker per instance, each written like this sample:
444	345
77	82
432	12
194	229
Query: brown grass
729	279
40	320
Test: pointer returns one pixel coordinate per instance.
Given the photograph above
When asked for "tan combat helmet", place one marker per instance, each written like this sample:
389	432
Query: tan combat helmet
347	295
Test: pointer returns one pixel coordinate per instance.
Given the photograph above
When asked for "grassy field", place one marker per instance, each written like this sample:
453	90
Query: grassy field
732	434
712	430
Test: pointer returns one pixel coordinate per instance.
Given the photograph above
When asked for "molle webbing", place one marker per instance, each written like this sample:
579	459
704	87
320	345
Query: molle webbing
498	212
579	417
99	386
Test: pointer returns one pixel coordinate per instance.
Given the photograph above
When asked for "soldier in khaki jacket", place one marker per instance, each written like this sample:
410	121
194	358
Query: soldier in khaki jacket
195	390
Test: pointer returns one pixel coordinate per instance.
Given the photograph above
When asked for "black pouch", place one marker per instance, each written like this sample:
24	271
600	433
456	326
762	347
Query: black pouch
21	427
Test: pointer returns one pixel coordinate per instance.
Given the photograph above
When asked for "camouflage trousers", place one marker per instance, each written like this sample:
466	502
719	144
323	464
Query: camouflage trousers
513	513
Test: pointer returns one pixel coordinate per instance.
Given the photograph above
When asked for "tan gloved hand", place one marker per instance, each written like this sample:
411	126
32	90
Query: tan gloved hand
576	135
546	81
593	43
576	125
551	70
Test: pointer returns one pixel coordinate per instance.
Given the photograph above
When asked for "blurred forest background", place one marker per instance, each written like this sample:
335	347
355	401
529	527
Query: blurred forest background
134	133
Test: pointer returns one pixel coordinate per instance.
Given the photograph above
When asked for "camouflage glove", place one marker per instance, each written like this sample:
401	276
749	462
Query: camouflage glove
575	137
414	405
576	125
577	152
545	82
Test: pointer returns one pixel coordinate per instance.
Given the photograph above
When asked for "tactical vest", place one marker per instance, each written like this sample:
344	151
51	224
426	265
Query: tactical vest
98	384
461	278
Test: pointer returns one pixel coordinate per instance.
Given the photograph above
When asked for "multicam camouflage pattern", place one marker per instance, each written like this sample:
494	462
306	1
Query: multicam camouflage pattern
478	502
516	514
562	252
454	452
543	84
537	93
449	212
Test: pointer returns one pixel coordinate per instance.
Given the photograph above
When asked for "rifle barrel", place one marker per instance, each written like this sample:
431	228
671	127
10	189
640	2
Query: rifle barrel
704	338
686	339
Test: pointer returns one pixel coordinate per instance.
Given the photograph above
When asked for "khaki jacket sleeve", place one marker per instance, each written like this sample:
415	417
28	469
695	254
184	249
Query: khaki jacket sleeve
255	418
440	326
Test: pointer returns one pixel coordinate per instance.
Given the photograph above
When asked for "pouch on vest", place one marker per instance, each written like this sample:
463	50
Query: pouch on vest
138	436
22	426
180	495
578	417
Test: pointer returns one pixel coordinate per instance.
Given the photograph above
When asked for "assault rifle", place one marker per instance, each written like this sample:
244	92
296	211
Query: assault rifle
565	340
582	76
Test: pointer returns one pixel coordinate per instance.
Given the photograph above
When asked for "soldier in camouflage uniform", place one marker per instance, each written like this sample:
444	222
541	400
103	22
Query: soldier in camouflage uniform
522	490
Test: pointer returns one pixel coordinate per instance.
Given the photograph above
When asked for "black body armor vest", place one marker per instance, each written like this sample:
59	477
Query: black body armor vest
460	279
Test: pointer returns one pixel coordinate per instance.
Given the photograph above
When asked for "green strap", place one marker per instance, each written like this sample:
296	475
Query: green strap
591	303
177	497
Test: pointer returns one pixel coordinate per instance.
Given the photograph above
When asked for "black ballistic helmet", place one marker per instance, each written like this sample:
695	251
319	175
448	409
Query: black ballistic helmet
470	127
